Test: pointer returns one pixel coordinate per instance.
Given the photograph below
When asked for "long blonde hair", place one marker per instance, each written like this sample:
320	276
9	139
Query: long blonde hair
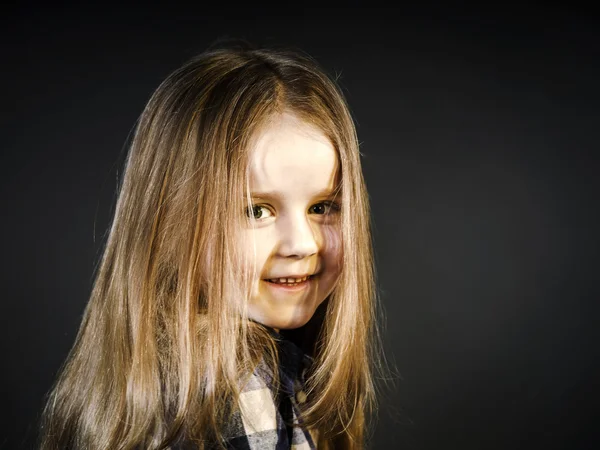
164	337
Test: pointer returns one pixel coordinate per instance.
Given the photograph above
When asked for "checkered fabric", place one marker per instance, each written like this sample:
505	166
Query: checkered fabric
266	418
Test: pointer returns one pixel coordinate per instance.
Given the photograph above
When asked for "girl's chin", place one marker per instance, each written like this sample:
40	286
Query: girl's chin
280	320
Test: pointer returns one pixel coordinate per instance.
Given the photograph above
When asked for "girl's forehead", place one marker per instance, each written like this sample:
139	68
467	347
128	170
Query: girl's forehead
287	127
292	155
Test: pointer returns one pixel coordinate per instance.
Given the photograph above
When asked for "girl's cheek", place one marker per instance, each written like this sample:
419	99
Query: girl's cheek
332	245
256	248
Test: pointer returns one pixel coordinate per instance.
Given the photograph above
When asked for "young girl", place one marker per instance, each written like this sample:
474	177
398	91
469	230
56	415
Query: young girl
234	303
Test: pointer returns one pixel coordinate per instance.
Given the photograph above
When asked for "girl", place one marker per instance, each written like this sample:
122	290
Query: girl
234	303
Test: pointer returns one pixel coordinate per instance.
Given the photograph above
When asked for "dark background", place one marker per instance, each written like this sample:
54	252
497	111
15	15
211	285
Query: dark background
479	130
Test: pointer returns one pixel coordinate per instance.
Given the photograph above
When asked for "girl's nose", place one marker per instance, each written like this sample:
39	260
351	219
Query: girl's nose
297	238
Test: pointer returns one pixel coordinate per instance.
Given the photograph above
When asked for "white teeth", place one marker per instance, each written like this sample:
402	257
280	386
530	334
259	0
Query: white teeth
288	280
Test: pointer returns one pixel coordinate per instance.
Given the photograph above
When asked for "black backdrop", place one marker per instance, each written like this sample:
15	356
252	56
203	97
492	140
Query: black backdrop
479	130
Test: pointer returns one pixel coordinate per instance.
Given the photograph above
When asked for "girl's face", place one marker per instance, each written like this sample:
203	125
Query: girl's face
295	232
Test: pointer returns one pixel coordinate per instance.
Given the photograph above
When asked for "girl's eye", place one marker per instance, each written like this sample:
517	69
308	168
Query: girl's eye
325	208
258	212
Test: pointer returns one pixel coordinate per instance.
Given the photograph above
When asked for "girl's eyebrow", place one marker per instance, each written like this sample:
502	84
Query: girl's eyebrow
321	193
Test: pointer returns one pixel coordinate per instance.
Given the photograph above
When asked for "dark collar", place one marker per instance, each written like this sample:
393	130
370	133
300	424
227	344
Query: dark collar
293	362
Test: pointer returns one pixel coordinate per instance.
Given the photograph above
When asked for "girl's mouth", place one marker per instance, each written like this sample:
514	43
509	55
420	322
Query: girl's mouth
290	284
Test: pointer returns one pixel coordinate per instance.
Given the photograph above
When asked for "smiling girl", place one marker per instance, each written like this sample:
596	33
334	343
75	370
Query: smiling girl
234	303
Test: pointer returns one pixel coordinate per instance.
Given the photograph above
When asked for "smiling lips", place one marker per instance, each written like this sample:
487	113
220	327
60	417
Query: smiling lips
289	281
